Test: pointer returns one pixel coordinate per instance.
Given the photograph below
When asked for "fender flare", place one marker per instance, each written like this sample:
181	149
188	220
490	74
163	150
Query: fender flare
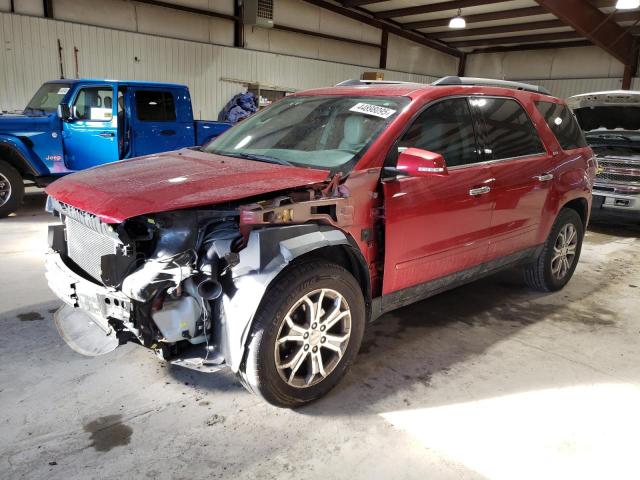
23	159
268	252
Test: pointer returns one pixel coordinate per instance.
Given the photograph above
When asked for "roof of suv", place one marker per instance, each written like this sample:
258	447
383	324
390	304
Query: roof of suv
445	85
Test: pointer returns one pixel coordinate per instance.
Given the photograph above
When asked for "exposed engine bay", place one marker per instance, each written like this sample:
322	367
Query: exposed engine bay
184	283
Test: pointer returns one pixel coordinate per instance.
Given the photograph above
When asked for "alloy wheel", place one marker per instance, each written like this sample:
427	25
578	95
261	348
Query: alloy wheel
312	338
5	190
564	251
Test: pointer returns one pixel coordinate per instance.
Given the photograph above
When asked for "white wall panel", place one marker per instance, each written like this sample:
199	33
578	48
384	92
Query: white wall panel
408	56
580	62
29	57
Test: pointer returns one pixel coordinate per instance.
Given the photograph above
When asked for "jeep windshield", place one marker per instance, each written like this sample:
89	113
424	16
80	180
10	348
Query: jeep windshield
325	132
47	98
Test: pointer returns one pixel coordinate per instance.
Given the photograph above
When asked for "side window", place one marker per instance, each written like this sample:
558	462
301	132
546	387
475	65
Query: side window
155	106
563	125
508	129
94	104
445	128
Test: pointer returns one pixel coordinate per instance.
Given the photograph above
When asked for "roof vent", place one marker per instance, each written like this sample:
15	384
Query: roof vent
258	13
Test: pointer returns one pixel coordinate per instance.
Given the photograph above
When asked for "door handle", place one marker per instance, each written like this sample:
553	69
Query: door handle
479	191
107	134
167	132
545	177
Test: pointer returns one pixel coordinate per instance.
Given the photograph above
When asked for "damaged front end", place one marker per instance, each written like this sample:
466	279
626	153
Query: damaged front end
185	283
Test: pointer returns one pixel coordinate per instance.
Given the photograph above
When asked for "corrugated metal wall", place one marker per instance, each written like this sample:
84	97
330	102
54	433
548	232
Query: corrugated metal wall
29	56
567	87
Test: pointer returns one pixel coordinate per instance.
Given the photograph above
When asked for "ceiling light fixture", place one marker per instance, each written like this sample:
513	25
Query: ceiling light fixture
627	4
459	22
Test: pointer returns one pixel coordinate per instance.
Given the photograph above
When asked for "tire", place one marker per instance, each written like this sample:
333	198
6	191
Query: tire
11	189
284	387
548	273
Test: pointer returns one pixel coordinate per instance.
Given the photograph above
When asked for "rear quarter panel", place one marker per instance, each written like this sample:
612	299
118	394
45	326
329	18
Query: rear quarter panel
208	130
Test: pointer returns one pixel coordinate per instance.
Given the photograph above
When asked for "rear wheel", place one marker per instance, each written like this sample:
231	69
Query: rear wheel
553	269
11	189
305	335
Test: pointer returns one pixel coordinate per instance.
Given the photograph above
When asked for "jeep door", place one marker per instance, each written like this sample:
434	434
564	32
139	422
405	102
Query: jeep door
160	121
90	136
437	225
522	172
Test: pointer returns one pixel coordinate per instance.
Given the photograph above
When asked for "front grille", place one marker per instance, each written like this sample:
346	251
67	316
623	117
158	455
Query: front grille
618	177
86	247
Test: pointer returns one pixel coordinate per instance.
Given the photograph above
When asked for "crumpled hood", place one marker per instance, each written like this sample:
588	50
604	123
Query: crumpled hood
174	180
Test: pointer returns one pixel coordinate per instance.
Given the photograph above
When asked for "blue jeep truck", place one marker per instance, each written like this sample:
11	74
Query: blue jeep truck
71	125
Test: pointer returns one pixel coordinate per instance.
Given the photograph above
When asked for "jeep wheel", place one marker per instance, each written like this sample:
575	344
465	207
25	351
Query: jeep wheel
11	189
306	334
553	269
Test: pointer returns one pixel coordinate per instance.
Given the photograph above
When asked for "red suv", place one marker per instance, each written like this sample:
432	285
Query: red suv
270	249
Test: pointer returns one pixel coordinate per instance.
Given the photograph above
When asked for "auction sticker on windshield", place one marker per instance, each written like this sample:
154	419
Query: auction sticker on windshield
374	110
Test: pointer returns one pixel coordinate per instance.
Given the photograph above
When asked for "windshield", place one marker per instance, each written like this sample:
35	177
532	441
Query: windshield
323	132
47	98
614	117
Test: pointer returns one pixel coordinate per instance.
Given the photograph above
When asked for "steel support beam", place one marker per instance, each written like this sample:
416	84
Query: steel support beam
481	17
434	7
532	46
393	28
545	37
594	25
517	27
384	43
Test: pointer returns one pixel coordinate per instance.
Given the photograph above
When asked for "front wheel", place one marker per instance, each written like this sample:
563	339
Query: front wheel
553	269
306	334
11	189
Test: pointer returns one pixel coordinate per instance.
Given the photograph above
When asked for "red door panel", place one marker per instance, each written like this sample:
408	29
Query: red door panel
434	227
520	193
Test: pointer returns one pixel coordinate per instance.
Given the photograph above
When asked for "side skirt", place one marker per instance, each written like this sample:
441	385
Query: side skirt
406	296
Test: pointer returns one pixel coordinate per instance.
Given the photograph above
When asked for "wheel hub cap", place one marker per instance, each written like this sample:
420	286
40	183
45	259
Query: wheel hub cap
312	338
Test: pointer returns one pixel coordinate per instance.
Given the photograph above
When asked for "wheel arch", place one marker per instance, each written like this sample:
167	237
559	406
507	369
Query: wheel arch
269	254
581	207
14	152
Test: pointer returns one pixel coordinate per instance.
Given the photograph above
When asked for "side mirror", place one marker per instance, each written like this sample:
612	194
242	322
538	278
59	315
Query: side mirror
416	162
64	112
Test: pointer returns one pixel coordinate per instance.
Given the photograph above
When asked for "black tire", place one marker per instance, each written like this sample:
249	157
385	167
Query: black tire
259	373
538	275
10	175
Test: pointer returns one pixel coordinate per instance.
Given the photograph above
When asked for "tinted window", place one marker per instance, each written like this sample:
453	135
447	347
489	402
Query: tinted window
94	104
445	128
563	125
508	129
155	106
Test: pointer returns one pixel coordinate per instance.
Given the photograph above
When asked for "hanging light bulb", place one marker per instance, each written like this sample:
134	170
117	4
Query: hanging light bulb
459	22
627	4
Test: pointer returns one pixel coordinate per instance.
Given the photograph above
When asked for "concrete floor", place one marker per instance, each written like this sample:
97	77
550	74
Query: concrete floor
487	381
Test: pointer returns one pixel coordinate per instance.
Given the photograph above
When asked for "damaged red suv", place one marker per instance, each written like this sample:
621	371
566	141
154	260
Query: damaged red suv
270	249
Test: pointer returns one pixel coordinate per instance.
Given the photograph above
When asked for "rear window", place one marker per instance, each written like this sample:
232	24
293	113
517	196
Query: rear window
155	106
509	132
563	125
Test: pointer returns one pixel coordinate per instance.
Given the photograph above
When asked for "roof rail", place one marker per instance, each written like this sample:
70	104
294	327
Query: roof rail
453	80
355	81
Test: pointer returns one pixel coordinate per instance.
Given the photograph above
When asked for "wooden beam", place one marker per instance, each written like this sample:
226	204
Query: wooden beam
517	27
312	33
591	23
384	43
532	46
481	17
520	39
390	27
434	7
